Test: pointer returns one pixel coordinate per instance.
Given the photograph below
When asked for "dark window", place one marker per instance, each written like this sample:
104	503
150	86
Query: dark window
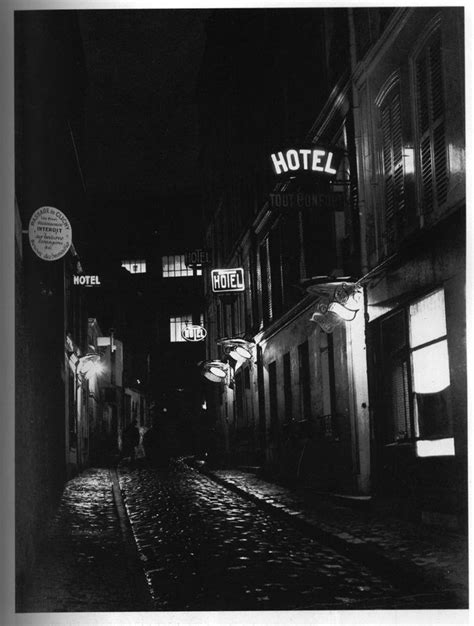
305	393
287	386
266	278
272	382
276	271
291	251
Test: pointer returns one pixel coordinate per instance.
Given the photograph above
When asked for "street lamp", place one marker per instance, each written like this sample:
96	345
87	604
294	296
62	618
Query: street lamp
339	300
216	371
89	365
238	349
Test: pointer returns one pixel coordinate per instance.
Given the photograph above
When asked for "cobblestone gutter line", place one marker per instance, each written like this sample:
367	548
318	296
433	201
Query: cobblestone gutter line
404	572
138	579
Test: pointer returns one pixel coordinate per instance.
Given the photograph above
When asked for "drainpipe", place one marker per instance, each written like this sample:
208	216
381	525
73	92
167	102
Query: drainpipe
357	335
357	141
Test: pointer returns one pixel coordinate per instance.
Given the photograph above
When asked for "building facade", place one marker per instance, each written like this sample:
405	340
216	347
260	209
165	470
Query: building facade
409	87
340	399
51	320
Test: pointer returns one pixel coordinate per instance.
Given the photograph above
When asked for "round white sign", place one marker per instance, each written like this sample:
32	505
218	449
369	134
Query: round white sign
50	233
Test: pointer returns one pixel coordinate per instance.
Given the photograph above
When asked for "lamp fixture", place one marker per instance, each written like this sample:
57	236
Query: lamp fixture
216	371
89	364
338	300
237	349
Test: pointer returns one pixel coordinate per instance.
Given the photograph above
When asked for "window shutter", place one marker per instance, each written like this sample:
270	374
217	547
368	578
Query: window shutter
393	162
266	281
431	129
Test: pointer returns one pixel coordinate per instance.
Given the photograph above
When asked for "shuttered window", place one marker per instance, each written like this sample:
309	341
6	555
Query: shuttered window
276	270
305	391
431	124
396	388
287	386
266	281
392	148
272	382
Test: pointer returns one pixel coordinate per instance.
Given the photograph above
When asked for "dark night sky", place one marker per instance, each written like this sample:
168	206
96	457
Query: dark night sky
141	122
141	119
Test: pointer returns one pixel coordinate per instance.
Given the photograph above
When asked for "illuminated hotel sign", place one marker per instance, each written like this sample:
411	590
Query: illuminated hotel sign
227	280
197	257
193	332
87	281
316	160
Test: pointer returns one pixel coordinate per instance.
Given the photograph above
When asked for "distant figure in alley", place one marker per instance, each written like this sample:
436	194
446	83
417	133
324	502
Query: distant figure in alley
130	439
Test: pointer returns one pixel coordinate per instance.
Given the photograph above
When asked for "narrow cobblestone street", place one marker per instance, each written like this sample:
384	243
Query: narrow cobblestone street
173	539
84	563
205	548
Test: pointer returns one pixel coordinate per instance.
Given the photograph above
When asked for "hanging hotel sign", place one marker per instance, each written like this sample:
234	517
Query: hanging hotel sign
193	332
50	233
86	280
197	257
318	160
227	280
333	201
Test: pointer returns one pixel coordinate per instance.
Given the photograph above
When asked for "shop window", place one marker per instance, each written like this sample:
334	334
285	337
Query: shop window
135	266
416	375
174	266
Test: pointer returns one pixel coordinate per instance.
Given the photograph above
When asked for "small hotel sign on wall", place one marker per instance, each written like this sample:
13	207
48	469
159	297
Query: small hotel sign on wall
227	280
86	281
193	332
317	160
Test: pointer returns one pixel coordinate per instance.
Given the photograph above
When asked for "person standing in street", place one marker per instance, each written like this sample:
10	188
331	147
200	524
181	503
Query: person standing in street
130	439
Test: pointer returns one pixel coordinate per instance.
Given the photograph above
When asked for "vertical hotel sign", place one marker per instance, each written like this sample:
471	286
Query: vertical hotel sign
49	233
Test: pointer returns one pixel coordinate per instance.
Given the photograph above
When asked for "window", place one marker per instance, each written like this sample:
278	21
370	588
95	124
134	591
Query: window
174	266
430	366
392	153
416	376
135	267
287	386
177	324
428	74
305	392
266	281
272	382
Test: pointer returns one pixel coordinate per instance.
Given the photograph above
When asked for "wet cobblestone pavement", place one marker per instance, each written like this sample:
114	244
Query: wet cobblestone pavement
84	564
437	557
203	547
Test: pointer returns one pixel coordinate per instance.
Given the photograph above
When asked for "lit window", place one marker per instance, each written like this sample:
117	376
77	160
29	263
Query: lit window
174	266
177	324
135	266
416	364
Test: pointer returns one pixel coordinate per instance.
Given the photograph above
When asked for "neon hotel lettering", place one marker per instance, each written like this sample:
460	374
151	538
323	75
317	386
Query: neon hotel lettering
317	160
